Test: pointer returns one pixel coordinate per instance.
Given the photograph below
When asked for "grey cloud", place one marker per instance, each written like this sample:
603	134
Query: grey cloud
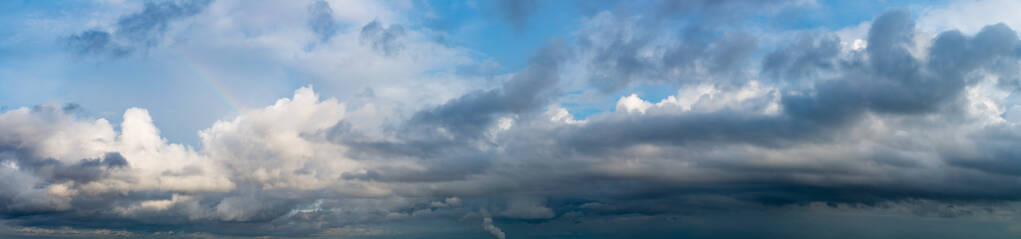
954	55
26	190
386	40
890	81
733	52
811	55
714	12
96	42
86	170
905	87
114	160
889	37
995	152
527	91
321	20
137	31
19	196
620	48
724	127
517	12
527	208
148	26
487	224
683	42
896	82
441	168
252	208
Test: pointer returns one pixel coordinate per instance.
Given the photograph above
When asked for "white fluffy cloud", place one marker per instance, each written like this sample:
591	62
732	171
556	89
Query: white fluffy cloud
47	133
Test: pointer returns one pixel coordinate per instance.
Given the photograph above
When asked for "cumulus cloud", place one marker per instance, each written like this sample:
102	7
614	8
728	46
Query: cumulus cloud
75	157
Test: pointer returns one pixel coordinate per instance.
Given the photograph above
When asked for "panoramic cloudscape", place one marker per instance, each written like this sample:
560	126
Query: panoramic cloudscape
510	119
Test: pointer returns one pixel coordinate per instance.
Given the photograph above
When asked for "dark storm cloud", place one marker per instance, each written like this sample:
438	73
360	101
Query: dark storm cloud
386	40
886	80
321	20
890	80
141	30
896	82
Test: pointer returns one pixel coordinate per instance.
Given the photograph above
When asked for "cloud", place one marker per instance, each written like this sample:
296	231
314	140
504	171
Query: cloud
147	27
321	20
71	232
620	51
96	42
527	209
814	54
57	155
487	224
674	42
87	170
527	91
20	196
517	13
386	40
140	30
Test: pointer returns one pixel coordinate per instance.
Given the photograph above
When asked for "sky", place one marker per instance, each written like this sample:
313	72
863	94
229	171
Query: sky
510	119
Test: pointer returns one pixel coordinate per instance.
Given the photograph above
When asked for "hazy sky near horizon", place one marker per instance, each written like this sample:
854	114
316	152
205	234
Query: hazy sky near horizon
510	119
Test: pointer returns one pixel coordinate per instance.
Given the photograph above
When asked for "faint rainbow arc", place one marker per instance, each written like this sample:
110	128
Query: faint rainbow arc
209	79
